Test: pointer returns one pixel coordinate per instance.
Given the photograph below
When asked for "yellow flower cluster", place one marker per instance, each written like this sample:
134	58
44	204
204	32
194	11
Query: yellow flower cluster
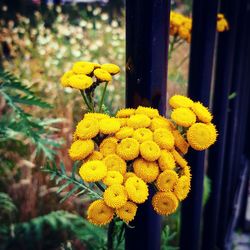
85	74
181	25
137	148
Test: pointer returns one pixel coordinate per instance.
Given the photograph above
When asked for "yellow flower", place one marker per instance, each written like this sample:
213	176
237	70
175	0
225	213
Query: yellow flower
92	171
124	133
127	175
127	212
179	159
182	187
96	65
102	75
184	33
201	136
83	68
150	151
183	117
186	172
137	189
111	68
128	149
143	134
109	125
165	203
148	111
160	122
123	121
124	113
108	146
75	137
167	180
113	177
138	121
147	171
87	128
98	116
80	81
115	163
222	25
214	132
166	160
96	155
65	78
81	149
115	196
99	213
180	101
180	142
202	112
164	138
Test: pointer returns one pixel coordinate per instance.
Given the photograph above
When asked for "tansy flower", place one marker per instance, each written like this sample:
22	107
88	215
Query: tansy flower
202	112
93	171
180	101
124	113
109	125
179	159
124	133
75	137
98	116
164	138
166	160
137	189
81	149
111	68
214	132
143	134
96	65
150	112
115	196
116	163
201	136
99	213
165	203
87	128
80	81
128	149
113	177
180	142
150	151
127	212
138	121
167	180
83	68
123	121
65	78
184	33
102	75
183	117
182	187
96	155
127	175
160	122
146	170
222	25
186	172
108	146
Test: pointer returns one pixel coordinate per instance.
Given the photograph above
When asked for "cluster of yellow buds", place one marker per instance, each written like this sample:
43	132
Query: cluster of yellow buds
138	148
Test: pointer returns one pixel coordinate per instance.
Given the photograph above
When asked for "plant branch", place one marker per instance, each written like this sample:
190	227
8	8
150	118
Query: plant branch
103	95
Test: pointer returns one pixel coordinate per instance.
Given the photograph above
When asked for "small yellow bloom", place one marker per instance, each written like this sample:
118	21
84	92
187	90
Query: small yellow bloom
124	113
186	172
137	189
113	177
179	159
150	151
81	149
65	78
80	81
127	212
115	196
102	75
111	68
123	121
124	133
180	142
87	128
202	112
99	213
127	175
182	187
109	125
167	180
183	117
96	155
98	116
115	163
148	111
143	134
222	25
164	138
93	171
166	160
138	121
146	170
108	146
160	122
184	33
83	68
180	101
128	149
165	203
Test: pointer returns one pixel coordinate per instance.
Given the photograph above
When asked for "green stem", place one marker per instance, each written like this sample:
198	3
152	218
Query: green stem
85	100
100	186
171	48
102	98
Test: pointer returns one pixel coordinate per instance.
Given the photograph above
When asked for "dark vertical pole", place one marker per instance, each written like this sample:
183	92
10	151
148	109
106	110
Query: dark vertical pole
147	24
199	87
223	79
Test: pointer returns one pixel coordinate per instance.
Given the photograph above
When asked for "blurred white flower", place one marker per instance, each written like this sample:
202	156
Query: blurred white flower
104	16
